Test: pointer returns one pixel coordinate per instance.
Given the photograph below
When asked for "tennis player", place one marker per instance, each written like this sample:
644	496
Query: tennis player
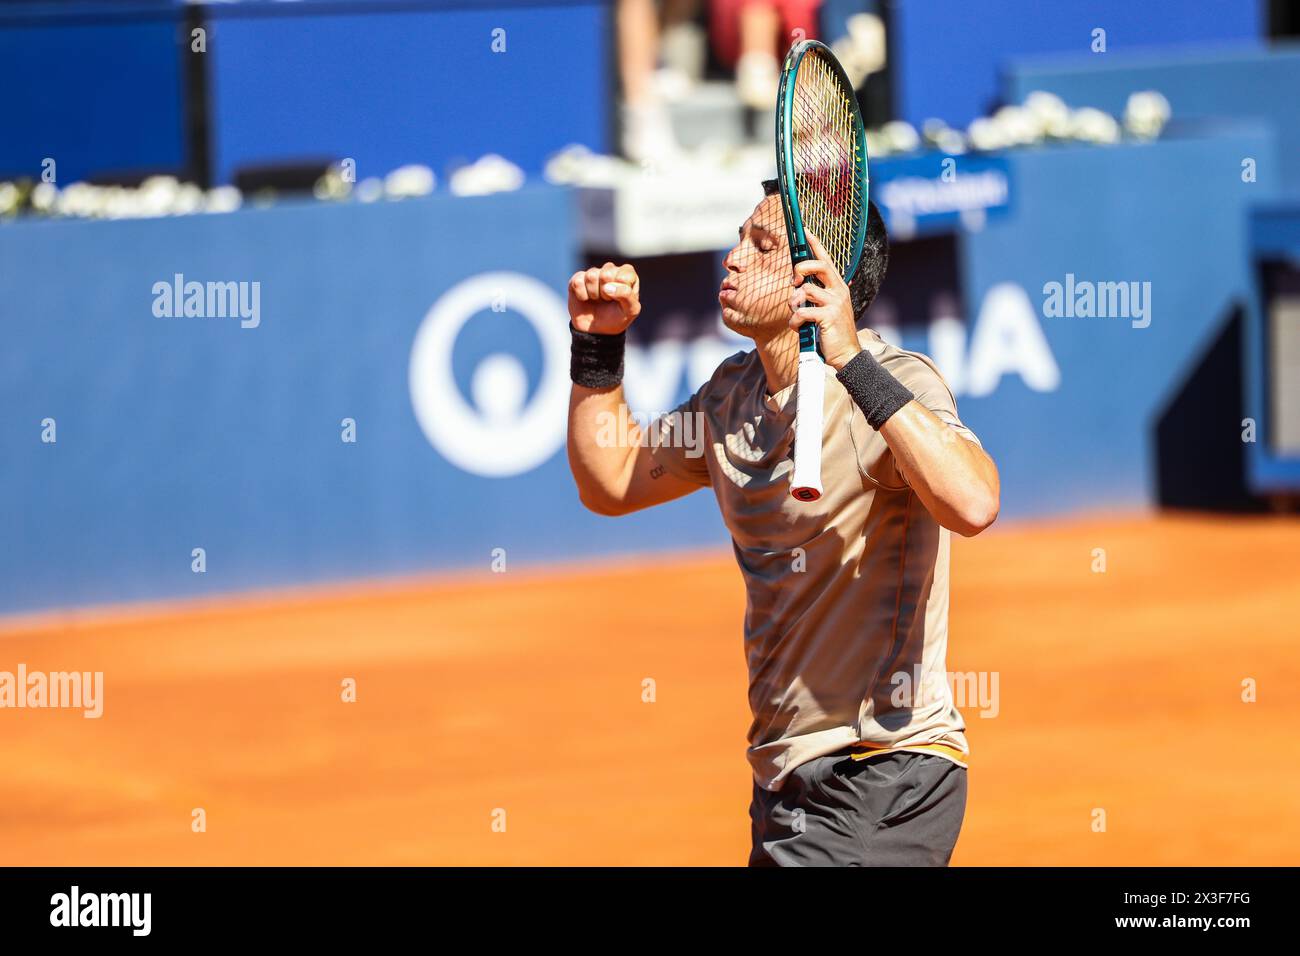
858	753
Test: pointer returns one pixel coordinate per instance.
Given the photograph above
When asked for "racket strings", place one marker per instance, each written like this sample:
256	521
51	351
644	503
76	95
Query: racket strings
824	147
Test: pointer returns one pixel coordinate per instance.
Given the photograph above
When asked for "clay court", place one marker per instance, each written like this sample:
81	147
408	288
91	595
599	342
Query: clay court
1120	691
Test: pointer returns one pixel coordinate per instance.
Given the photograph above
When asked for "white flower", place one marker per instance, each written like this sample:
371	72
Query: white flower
932	129
370	189
223	199
985	135
43	197
119	203
188	199
332	184
1146	114
491	174
901	136
1050	112
157	195
878	144
1094	126
405	181
951	141
8	199
1018	126
76	199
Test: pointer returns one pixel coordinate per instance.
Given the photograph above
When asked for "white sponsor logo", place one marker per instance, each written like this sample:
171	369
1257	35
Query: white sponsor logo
502	436
915	196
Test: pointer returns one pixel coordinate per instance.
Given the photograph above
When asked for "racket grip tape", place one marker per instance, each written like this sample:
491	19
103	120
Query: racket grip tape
806	481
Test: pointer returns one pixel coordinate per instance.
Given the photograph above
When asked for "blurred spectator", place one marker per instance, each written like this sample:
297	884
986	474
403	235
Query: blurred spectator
647	133
753	35
663	49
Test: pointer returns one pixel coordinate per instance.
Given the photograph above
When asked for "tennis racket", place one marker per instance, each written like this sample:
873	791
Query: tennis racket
821	164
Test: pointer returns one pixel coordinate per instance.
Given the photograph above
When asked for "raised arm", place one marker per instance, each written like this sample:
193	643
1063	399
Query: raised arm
611	461
955	479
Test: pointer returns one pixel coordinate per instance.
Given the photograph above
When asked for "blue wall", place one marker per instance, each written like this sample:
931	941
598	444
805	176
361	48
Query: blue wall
1173	214
177	433
1227	84
95	87
100	88
416	84
948	54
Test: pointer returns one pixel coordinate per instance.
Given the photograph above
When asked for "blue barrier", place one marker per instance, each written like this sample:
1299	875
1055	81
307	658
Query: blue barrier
94	87
1246	83
430	82
946	55
226	433
1123	214
179	433
100	87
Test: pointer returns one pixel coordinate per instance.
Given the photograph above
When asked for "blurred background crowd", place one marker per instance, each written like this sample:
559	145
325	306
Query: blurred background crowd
262	97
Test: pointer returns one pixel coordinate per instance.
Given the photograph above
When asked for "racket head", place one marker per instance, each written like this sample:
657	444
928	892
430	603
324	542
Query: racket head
821	157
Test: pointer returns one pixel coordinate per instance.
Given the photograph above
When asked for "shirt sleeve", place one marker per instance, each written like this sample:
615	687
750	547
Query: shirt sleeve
923	380
679	441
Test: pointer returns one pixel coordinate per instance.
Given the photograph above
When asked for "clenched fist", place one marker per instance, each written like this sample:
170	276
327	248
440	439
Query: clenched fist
605	300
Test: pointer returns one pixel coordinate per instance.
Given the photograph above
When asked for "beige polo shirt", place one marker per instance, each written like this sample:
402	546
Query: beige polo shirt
846	623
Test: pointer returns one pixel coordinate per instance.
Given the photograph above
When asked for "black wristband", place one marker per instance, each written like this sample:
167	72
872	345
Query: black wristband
874	390
596	361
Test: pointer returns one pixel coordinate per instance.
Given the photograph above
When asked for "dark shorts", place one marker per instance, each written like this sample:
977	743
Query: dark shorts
899	809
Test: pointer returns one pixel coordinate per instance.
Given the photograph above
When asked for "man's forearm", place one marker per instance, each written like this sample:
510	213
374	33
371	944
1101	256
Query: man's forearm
954	478
603	439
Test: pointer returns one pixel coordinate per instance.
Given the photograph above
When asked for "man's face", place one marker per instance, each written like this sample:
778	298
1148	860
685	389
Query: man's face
755	295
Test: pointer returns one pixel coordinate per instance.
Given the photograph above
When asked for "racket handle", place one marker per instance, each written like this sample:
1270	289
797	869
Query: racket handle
806	482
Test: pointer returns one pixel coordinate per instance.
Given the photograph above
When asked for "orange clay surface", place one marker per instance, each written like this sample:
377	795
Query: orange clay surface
1119	693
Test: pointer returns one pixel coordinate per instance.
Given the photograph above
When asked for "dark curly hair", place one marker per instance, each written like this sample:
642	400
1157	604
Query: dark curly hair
865	283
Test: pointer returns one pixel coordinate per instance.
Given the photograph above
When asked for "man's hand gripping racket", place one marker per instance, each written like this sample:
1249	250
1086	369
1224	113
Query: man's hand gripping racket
821	163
